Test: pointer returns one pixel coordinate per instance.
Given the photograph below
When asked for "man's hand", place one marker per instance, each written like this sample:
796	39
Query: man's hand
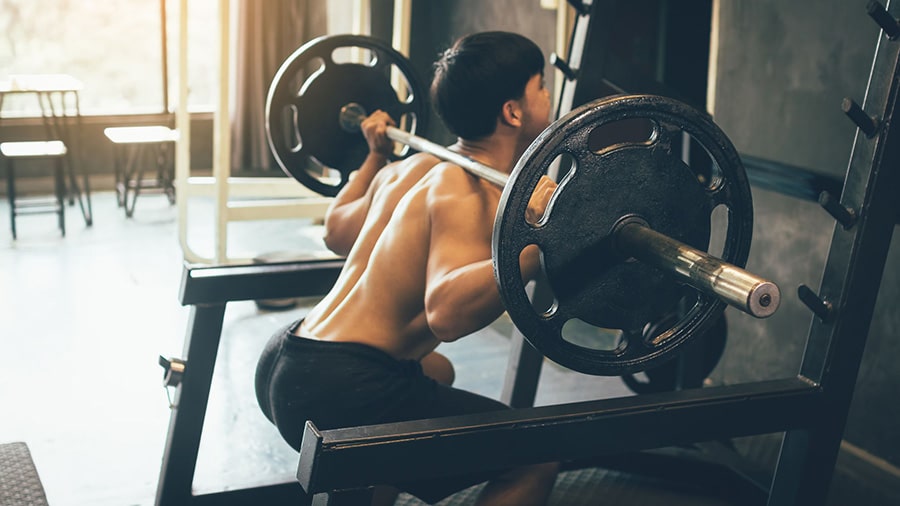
347	212
374	129
539	200
530	258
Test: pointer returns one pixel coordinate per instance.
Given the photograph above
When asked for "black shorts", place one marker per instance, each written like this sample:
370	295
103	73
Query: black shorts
345	384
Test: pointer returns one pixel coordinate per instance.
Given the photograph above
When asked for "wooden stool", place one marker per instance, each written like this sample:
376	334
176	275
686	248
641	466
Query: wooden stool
35	205
132	144
20	484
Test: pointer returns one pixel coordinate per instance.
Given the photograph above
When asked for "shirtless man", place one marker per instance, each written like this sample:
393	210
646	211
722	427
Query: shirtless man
417	236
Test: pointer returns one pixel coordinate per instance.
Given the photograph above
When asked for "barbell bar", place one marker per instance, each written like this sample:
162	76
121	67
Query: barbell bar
353	114
632	236
612	179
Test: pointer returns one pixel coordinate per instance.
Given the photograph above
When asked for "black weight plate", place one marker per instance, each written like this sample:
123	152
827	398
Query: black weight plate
579	260
304	102
703	353
591	281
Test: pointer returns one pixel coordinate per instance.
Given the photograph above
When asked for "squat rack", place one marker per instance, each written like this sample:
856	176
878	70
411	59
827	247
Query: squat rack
811	408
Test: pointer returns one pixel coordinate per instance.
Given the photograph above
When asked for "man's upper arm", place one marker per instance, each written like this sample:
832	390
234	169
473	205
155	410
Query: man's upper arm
456	224
460	291
343	222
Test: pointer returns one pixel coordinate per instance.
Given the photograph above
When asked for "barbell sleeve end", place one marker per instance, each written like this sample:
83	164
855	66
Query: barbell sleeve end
764	299
737	287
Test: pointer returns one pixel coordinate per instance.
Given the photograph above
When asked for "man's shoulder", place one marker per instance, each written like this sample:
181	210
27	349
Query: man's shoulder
417	163
450	182
449	178
420	158
426	167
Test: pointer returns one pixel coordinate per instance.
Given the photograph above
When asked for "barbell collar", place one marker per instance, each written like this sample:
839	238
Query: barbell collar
746	291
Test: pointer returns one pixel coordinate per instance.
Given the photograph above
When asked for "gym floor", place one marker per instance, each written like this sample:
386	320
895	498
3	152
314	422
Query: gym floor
84	318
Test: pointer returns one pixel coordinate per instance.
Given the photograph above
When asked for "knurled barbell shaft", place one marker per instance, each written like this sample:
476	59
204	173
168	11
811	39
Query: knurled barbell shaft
735	286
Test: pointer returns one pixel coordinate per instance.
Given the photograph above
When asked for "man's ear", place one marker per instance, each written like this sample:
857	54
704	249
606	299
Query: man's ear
511	113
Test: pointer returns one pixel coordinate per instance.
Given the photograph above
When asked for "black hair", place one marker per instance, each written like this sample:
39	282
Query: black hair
477	75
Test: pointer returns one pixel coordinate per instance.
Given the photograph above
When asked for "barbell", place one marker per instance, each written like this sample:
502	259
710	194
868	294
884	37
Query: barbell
624	237
631	235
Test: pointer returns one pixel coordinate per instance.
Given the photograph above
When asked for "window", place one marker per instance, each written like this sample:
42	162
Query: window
113	46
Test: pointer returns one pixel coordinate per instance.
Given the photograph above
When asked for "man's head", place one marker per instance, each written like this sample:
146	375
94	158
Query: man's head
478	75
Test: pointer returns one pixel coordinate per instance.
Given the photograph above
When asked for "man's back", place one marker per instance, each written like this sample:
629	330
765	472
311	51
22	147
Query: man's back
380	297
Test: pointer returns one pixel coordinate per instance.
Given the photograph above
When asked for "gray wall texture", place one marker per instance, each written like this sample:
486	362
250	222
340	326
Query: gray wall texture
783	69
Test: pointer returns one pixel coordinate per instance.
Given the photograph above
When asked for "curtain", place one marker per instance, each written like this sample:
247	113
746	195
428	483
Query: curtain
268	31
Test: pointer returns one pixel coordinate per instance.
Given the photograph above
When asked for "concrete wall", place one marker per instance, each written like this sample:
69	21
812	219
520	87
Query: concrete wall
782	71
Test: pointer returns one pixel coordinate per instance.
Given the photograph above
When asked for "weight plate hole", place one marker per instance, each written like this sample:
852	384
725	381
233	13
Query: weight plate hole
287	118
701	162
314	68
403	88
354	54
718	230
588	336
561	170
615	134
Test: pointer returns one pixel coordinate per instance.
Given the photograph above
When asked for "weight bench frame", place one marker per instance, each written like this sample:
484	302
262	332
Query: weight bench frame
208	290
337	463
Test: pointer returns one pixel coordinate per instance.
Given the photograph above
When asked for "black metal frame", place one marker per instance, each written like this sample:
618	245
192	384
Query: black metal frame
849	287
811	409
208	290
341	459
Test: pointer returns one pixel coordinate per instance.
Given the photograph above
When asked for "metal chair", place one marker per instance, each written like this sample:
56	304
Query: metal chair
137	148
35	150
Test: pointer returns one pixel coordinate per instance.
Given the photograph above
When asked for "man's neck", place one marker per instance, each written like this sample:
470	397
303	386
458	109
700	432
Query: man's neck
497	152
